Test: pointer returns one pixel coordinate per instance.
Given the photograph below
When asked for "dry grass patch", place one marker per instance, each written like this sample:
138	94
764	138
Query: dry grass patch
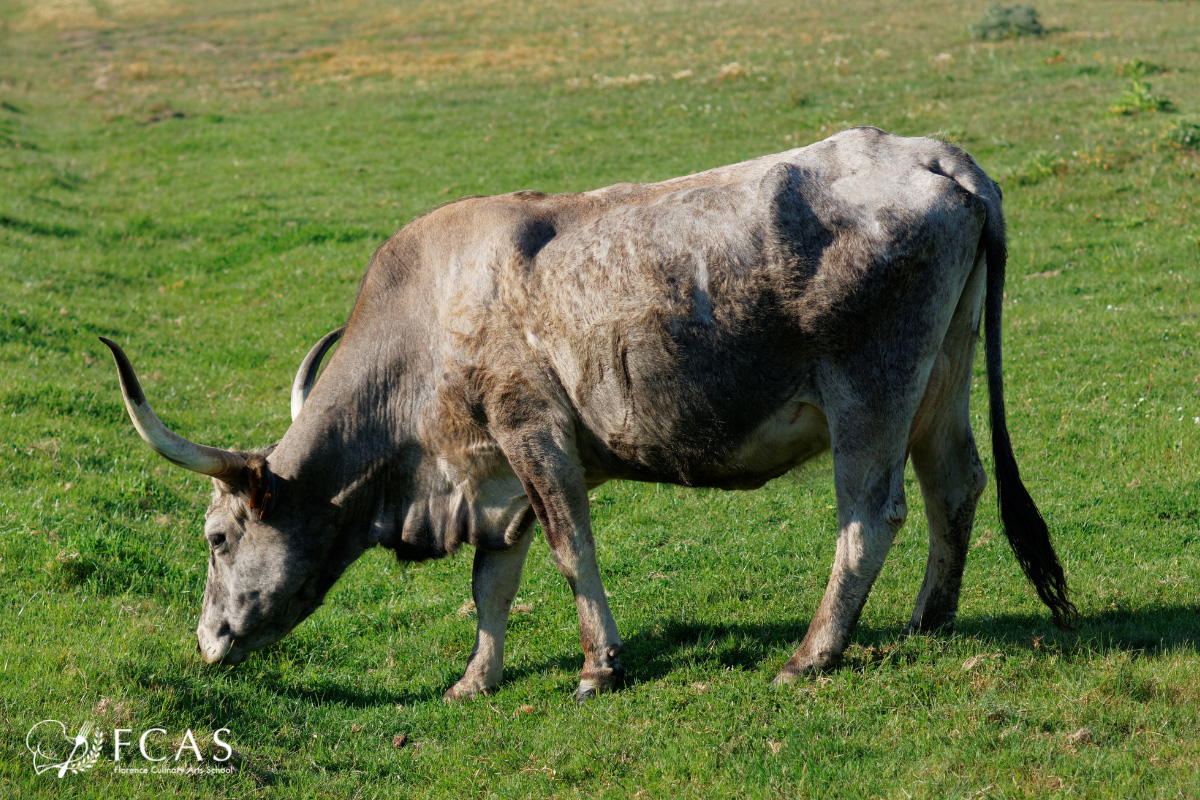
61	14
75	14
361	59
139	9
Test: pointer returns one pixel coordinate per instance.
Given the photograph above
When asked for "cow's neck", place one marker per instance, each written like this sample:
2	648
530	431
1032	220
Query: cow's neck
354	454
338	453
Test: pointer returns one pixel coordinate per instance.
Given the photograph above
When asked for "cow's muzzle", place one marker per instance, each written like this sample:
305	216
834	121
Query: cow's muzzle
219	649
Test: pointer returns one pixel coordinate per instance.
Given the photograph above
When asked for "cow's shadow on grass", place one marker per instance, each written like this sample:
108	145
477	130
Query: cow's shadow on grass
676	643
230	699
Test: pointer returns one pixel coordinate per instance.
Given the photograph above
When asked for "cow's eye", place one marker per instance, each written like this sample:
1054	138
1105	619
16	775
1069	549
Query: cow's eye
215	540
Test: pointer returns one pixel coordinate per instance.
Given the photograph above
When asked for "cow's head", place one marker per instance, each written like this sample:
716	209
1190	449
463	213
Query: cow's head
273	549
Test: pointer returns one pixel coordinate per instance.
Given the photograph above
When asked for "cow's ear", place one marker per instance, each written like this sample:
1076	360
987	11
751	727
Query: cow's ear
263	484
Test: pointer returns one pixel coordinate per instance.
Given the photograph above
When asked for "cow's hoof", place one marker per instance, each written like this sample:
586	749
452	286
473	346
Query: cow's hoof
593	682
790	674
801	668
786	678
590	691
465	691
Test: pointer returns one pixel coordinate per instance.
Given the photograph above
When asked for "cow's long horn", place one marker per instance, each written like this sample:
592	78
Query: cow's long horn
220	464
307	374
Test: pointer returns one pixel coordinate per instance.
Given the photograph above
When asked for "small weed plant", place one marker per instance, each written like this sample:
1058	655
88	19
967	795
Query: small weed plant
1139	97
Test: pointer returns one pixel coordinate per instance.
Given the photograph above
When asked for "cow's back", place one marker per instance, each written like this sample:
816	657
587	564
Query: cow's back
680	317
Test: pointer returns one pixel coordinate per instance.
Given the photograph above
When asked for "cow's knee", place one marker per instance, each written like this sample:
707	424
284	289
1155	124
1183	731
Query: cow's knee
893	514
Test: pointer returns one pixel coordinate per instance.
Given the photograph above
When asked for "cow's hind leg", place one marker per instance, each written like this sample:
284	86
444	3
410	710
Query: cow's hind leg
947	463
494	580
952	479
869	479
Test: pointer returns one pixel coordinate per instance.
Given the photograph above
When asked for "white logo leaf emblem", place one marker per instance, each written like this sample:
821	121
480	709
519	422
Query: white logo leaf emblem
49	745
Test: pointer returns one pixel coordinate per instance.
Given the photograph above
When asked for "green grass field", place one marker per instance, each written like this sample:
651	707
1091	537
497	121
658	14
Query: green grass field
206	186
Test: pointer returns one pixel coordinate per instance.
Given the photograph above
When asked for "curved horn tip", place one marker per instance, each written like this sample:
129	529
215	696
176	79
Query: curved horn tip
220	464
129	382
306	375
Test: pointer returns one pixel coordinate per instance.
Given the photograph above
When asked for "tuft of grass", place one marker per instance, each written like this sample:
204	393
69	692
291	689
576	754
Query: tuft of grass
1184	135
1007	22
1137	68
1040	166
1137	98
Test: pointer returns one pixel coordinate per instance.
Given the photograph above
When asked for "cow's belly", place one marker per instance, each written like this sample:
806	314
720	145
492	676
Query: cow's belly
796	433
785	440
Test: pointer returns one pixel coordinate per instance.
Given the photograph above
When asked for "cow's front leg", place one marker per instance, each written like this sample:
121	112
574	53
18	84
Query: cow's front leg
494	580
871	510
565	518
575	554
555	485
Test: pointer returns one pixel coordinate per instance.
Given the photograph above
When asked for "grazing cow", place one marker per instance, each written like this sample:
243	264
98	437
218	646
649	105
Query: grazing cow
506	354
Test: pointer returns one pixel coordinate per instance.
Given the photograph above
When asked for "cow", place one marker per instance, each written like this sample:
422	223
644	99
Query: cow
505	355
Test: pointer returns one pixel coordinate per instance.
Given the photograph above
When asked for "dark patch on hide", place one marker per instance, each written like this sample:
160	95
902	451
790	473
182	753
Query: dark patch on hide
532	235
798	232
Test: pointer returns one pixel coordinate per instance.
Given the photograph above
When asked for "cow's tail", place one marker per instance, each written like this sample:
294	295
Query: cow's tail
1023	523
